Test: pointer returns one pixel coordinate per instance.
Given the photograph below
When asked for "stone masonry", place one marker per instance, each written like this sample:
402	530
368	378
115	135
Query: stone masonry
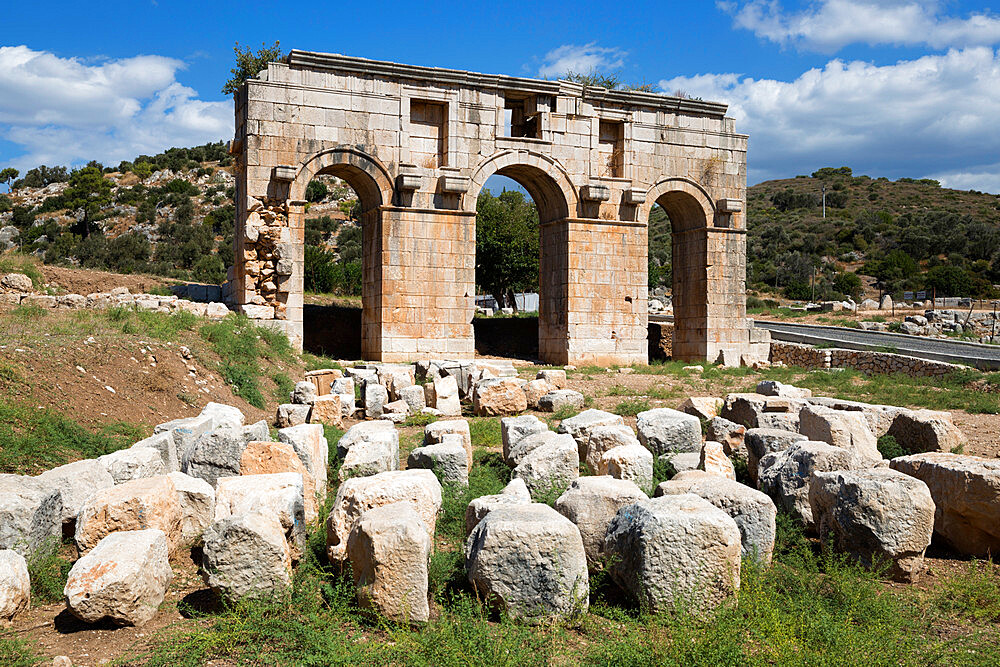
417	144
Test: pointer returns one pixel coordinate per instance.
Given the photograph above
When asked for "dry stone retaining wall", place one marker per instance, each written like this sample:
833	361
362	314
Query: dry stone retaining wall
806	356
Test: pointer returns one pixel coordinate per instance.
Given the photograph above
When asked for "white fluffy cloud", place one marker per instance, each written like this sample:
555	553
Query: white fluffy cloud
64	111
828	25
581	59
934	116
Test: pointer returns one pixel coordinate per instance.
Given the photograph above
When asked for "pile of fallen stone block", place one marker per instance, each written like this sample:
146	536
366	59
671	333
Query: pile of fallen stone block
16	289
395	392
210	481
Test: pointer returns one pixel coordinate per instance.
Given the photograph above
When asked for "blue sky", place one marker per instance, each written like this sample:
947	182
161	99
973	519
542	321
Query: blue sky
888	87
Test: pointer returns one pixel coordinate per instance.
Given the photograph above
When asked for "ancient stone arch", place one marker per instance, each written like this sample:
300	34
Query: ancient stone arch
418	144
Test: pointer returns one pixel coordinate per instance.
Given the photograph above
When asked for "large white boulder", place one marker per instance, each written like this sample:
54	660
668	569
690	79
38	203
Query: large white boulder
123	578
548	469
712	459
840	428
435	433
196	499
447	459
966	494
515	493
730	434
360	494
15	584
763	441
875	515
499	397
515	429
389	549
785	475
309	443
247	556
361	433
561	399
216	454
602	439
529	443
186	431
445	395
149	502
223	416
134	463
667	431
631	462
529	560
754	512
581	425
280	495
167	448
926	431
76	482
675	551
591	503
378	453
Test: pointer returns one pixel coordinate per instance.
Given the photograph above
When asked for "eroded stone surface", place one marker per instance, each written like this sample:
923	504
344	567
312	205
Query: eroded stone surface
591	503
515	493
76	482
247	556
140	504
667	431
15	584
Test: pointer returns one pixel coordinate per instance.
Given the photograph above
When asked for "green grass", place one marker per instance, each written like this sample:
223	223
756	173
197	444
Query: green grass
161	326
34	440
485	432
316	362
241	344
632	407
15	652
48	570
973	594
283	386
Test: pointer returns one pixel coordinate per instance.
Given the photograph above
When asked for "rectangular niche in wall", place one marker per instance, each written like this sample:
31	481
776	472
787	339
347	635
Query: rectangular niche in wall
611	148
428	133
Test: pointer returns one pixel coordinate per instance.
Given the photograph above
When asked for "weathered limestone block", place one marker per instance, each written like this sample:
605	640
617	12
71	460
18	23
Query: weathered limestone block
786	475
268	458
874	515
446	459
529	560
435	432
580	426
753	511
375	396
277	494
17	281
840	428
357	495
675	550
530	443
247	556
15	584
515	493
216	454
446	398
362	432
31	512
413	396
763	441
379	453
124	578
498	397
713	460
966	494
223	416
128	464
682	462
555	377
344	387
327	410
167	448
702	407
549	468
312	448
757	411
559	399
730	434
304	393
591	503
76	482
534	390
666	431
291	414
775	388
140	504
389	549
602	439
515	429
186	431
926	431
196	499
631	462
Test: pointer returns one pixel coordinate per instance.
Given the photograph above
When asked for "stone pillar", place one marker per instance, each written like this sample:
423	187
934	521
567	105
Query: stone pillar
420	268
594	290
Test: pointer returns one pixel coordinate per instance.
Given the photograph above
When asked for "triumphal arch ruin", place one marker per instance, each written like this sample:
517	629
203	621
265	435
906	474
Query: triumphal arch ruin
417	144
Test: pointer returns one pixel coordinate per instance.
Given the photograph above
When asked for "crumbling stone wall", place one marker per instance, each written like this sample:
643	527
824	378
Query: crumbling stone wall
806	356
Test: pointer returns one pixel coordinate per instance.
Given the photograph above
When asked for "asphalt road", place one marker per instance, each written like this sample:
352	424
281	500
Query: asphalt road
985	357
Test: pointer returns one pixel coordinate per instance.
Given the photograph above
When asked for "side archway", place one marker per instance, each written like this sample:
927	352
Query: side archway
543	177
366	174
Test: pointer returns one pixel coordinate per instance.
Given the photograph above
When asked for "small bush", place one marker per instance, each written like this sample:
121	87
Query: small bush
889	448
48	570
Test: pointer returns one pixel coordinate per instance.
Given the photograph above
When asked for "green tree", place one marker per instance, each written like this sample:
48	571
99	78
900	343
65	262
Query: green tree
88	192
949	280
848	283
7	175
316	191
250	64
506	245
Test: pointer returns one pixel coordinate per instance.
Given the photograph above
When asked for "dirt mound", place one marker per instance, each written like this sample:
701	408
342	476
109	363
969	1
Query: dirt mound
84	281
